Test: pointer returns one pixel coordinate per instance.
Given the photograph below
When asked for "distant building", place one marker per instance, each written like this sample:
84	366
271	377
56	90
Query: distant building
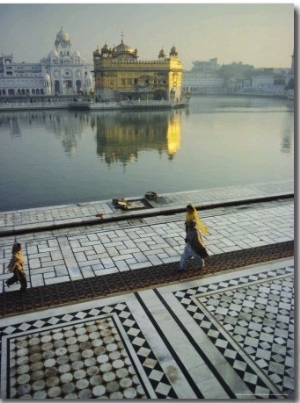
236	75
68	71
22	79
207	77
204	78
62	72
119	75
267	82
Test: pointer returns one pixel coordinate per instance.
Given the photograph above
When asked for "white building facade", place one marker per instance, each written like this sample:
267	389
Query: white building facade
62	72
203	78
22	79
69	73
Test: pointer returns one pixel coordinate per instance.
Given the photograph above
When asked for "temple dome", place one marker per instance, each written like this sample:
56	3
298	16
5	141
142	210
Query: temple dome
173	51
53	53
97	52
122	48
76	54
161	54
63	36
106	49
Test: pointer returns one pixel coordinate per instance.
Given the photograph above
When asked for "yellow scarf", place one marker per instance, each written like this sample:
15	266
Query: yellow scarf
16	261
194	216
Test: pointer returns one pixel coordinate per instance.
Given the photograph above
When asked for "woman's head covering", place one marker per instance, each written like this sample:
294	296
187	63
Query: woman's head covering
190	207
193	215
16	247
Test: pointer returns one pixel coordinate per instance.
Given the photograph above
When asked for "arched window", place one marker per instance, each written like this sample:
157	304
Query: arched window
57	87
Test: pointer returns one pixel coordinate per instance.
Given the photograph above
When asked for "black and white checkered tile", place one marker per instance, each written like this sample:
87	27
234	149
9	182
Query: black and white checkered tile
255	312
247	316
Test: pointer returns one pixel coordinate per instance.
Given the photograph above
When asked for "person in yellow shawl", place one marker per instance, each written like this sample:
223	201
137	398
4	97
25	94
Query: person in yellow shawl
193	215
16	267
194	247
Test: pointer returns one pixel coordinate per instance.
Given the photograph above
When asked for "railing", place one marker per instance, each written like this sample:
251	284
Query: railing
146	103
134	104
5	106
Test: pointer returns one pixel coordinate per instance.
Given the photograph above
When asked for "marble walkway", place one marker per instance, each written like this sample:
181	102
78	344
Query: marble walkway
222	336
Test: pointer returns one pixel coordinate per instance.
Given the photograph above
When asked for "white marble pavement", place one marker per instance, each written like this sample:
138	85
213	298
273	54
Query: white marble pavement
88	251
224	336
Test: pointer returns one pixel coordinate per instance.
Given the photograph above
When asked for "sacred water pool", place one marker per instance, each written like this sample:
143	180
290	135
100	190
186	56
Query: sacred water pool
60	157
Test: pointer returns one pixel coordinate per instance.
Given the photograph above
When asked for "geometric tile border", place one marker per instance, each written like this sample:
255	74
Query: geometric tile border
101	352
27	360
254	314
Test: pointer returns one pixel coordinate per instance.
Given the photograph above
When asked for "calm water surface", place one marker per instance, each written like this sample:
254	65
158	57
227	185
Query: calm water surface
60	157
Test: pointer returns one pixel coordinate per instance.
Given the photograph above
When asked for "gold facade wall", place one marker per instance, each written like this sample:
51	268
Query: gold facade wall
123	77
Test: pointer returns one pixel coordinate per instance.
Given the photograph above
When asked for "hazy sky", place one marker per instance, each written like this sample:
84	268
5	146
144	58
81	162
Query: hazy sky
260	34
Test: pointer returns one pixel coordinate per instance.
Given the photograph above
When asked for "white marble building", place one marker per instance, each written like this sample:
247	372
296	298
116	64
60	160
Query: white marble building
203	78
69	73
62	72
22	79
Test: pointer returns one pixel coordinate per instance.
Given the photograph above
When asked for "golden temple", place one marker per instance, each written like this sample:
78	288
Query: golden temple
119	75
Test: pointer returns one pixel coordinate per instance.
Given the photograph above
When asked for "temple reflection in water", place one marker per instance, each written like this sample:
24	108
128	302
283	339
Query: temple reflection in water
121	137
61	157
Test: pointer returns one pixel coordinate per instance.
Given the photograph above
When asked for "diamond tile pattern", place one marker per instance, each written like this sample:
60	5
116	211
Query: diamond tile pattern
258	317
126	349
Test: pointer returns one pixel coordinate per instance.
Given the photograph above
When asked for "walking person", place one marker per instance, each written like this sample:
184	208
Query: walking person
16	267
193	215
194	247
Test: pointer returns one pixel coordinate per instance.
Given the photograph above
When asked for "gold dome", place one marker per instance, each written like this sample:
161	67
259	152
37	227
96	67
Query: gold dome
124	49
161	54
105	49
97	52
173	51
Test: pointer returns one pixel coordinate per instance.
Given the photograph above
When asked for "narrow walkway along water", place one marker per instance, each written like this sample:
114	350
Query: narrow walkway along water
46	218
107	315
